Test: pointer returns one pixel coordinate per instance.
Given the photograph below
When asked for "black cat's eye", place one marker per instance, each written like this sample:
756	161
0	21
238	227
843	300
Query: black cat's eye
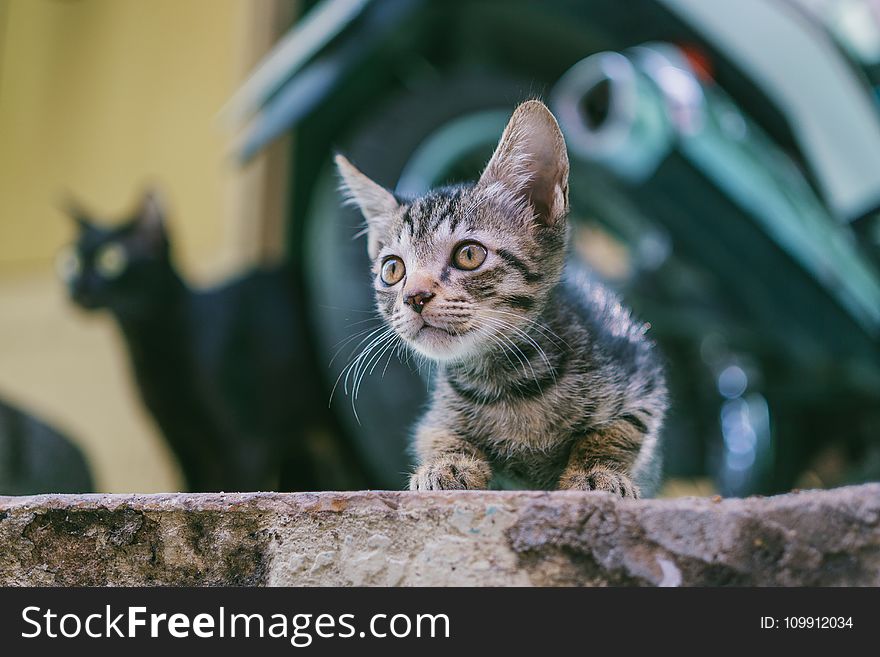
469	255
393	270
68	264
111	261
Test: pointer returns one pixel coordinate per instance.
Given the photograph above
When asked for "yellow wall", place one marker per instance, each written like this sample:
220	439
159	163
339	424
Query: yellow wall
98	97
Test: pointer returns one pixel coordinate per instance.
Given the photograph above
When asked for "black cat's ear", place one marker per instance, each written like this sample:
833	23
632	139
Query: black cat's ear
151	213
531	162
376	203
150	217
68	205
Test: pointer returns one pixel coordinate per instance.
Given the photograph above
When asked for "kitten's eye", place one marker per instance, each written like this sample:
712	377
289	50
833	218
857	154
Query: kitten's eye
111	261
393	270
68	264
469	255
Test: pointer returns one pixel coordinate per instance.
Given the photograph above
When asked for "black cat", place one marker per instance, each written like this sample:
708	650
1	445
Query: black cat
36	458
225	372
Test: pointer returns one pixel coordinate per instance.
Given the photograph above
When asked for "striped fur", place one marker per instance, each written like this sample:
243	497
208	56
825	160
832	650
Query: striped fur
545	380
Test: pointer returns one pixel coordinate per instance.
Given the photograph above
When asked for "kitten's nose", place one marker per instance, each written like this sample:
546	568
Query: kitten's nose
418	300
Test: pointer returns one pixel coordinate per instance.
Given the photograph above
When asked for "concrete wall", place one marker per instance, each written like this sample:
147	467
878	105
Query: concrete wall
818	538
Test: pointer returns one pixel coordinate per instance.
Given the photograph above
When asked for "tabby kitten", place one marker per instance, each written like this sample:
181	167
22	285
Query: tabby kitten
544	379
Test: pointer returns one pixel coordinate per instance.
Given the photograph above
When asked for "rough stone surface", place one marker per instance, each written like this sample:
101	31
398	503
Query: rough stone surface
455	538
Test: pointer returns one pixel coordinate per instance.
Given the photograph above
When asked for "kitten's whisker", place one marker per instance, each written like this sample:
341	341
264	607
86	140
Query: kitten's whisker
520	356
348	310
361	359
373	363
542	328
537	347
368	319
360	373
391	354
519	351
343	343
501	324
382	330
488	332
359	377
549	333
531	341
352	363
540	350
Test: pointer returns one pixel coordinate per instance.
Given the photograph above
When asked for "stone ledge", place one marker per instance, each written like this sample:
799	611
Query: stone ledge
455	538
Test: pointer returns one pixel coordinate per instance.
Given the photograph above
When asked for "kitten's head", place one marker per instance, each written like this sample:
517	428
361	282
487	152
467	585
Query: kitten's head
120	267
460	270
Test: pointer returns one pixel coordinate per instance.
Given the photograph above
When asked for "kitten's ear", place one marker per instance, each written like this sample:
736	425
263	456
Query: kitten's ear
531	161
376	203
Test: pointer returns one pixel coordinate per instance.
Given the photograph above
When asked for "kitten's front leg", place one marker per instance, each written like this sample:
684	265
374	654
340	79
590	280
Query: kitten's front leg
602	459
448	462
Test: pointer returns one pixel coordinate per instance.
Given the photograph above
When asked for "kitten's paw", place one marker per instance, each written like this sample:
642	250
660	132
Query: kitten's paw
601	479
451	472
